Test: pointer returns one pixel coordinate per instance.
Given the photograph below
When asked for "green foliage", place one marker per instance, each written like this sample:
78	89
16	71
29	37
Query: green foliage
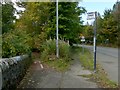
64	49
60	65
40	18
7	17
48	54
49	47
34	22
88	33
38	23
86	59
69	20
107	29
15	43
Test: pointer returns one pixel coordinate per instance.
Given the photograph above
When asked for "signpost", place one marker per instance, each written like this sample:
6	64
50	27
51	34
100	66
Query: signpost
83	40
93	15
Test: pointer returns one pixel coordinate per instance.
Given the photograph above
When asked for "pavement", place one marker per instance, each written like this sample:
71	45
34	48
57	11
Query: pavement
108	58
47	77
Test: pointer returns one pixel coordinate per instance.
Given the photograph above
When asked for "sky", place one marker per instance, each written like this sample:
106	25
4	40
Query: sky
96	5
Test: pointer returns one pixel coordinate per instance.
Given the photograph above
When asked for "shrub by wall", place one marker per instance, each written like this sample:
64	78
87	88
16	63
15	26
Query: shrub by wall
48	55
15	43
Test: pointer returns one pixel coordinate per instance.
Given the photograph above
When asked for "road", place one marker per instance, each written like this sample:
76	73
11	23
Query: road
108	58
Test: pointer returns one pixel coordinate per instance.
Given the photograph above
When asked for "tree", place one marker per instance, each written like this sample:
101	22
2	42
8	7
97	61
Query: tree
107	28
34	21
7	17
69	20
41	17
88	33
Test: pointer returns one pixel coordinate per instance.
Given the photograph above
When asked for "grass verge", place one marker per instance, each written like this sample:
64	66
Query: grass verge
100	77
59	64
48	55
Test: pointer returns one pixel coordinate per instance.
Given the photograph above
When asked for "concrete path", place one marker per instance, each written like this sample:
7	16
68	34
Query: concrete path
49	78
108	58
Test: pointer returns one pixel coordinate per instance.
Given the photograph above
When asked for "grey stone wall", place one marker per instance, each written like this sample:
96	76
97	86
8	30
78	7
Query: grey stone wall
12	70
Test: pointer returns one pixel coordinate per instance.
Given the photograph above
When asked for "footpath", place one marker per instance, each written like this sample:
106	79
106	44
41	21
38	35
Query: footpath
47	77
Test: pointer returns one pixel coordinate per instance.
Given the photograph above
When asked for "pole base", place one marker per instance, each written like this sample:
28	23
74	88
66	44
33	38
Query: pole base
94	71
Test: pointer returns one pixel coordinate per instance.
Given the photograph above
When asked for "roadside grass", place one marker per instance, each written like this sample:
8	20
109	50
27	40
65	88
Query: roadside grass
48	55
107	45
100	77
59	64
86	59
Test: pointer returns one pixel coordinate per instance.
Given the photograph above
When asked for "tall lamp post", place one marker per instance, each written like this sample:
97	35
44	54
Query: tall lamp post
57	48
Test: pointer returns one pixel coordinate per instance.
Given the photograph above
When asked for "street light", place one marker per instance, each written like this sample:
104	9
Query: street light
57	48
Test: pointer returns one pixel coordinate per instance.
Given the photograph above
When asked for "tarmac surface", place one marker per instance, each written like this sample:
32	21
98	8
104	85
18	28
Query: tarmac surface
107	57
47	77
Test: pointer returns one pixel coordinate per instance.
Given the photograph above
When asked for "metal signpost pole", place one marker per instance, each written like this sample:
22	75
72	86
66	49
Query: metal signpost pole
83	47
57	48
95	41
93	15
83	40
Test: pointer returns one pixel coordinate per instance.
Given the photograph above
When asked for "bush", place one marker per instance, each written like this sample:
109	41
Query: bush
64	49
49	49
15	43
48	54
38	39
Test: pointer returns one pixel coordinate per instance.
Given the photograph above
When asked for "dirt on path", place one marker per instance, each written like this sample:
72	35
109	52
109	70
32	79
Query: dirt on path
46	77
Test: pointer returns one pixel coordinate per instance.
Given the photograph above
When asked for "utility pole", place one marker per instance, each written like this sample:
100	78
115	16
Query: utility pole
57	48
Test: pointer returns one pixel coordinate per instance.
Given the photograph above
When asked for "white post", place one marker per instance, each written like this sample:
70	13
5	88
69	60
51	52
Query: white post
57	48
95	41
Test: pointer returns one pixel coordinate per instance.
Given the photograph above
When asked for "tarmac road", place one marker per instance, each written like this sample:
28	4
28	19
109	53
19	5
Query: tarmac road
50	78
108	58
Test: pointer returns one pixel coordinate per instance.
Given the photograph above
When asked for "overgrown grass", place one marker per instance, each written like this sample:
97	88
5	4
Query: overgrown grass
59	64
100	77
48	55
86	59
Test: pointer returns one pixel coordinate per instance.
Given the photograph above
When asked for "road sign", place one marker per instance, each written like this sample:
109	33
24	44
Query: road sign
82	40
90	15
93	15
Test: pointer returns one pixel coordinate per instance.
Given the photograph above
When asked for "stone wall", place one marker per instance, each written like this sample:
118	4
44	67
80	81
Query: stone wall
12	70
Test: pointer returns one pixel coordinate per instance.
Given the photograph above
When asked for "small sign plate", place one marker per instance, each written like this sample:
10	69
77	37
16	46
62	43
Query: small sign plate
82	40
